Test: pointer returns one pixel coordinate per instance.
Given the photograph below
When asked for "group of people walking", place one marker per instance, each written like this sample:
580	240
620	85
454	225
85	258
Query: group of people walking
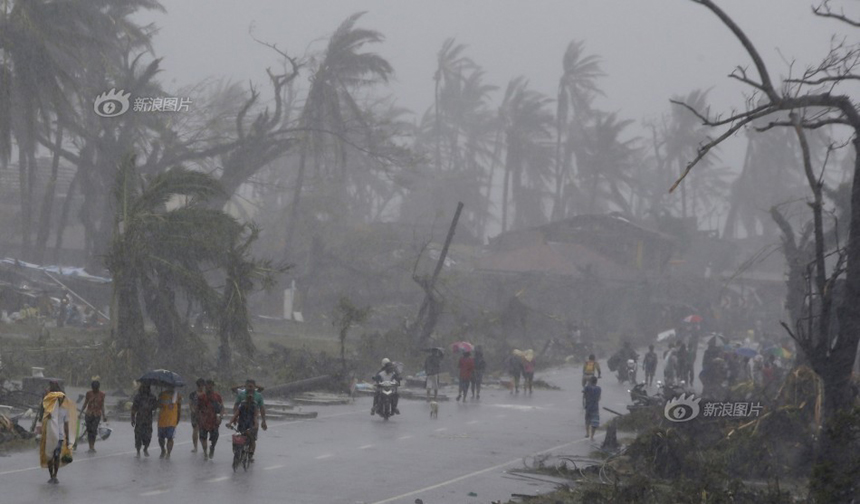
471	367
206	406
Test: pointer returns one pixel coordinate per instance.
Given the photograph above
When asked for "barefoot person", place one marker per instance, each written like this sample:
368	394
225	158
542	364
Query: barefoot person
194	410
54	446
142	407
170	406
94	412
209	410
591	397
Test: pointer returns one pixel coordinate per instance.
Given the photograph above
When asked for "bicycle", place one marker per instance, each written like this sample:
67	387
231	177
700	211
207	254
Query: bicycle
241	448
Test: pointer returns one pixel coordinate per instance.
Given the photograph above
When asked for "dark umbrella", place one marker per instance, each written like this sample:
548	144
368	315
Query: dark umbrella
162	377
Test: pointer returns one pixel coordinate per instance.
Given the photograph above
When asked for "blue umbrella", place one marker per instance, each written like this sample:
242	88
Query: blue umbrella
746	352
162	377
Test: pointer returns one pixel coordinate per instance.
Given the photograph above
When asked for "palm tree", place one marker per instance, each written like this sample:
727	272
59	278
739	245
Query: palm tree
527	158
157	252
331	108
44	44
604	162
576	89
242	274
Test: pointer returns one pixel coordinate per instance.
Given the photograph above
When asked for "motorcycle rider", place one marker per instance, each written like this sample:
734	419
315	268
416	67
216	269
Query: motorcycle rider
626	354
387	373
589	369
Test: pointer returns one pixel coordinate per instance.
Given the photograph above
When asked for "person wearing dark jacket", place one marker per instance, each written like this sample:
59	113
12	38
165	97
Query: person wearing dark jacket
478	374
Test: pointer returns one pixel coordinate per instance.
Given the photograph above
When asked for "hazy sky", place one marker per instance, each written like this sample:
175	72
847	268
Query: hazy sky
651	49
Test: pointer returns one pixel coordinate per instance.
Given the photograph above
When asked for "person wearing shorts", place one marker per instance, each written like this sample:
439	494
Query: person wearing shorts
94	412
210	407
170	407
432	364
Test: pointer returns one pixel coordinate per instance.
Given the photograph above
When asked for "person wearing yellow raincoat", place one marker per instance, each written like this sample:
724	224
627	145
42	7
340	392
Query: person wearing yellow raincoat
54	449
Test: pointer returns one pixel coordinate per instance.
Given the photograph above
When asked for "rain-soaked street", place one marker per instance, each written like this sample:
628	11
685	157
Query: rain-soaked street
342	456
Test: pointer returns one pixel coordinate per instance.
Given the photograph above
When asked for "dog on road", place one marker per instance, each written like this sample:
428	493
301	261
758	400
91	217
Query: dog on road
434	409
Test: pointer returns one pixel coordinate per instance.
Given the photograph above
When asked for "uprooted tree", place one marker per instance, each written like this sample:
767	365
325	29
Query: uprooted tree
811	101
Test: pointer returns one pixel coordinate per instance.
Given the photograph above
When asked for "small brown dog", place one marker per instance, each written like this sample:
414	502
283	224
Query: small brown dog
434	409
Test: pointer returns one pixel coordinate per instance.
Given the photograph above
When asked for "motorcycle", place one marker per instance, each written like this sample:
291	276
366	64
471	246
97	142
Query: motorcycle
641	399
385	403
672	390
627	372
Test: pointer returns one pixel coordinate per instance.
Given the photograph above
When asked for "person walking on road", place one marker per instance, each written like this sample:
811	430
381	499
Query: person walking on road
650	362
591	398
515	368
170	406
590	369
209	408
478	375
94	412
193	409
528	370
142	407
432	366
467	367
54	445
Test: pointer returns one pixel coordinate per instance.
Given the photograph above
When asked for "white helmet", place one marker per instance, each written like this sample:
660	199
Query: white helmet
630	362
386	361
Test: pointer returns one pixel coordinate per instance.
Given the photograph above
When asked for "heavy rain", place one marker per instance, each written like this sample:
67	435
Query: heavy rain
429	252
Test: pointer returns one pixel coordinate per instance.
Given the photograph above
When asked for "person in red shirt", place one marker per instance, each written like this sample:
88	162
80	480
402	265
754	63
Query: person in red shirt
210	406
467	367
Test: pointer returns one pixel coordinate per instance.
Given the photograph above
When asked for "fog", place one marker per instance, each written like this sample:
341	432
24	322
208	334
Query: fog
339	200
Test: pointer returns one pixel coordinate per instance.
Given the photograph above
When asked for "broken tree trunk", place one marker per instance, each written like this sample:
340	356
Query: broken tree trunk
298	386
430	309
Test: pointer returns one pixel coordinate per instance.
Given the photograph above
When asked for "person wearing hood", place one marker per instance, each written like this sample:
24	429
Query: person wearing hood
54	446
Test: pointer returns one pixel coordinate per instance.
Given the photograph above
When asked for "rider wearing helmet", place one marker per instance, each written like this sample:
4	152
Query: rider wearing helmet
387	373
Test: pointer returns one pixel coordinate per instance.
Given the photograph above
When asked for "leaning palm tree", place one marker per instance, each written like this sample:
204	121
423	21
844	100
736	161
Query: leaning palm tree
165	238
527	161
577	87
44	44
330	104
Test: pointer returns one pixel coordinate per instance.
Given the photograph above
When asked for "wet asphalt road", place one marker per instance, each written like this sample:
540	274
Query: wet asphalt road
342	456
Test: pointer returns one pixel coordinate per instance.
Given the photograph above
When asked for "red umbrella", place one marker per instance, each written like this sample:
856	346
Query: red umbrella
693	319
462	346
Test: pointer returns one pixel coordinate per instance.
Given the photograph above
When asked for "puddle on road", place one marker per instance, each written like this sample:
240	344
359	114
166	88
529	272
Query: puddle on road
519	407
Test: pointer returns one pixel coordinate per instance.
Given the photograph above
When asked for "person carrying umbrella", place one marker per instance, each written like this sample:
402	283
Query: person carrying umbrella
170	411
467	367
